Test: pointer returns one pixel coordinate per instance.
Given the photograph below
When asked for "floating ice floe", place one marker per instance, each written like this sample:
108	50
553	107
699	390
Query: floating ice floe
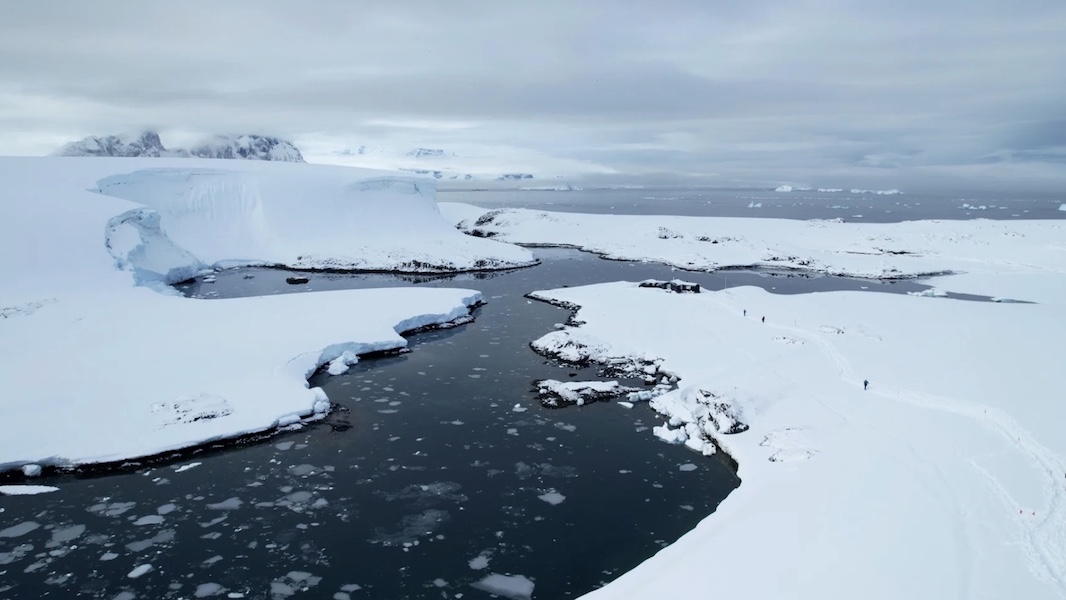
26	490
512	587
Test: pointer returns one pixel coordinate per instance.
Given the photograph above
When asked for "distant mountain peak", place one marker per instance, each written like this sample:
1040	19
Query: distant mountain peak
148	144
426	153
250	147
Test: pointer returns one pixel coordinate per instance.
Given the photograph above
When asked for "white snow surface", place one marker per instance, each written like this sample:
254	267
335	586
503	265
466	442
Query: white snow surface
95	368
870	250
949	469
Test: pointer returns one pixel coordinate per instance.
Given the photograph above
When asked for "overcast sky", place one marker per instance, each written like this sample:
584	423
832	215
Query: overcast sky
813	92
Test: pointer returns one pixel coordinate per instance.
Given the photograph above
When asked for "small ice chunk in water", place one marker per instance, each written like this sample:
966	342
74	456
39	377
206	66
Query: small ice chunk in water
440	582
514	587
20	529
479	562
31	470
149	520
208	589
554	498
26	490
519	408
187	467
687	467
140	570
229	504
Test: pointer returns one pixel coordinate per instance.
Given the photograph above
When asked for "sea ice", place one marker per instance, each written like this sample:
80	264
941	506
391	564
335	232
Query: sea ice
138	571
205	590
513	587
149	520
19	530
552	497
26	490
228	504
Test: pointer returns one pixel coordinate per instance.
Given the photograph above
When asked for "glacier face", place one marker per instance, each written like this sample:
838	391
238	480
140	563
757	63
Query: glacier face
148	145
292	215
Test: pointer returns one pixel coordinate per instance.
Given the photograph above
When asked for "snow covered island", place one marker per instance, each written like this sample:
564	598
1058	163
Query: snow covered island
890	445
100	361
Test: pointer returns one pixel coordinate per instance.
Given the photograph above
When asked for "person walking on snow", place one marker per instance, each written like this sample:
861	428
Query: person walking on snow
745	312
865	384
764	319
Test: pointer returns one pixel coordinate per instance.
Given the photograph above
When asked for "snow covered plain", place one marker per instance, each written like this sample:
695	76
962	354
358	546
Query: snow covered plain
945	479
869	250
99	363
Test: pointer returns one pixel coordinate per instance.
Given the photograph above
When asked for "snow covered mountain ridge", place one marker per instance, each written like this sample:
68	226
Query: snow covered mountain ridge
148	144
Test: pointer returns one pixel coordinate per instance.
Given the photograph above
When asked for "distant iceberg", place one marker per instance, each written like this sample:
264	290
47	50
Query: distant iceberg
891	192
783	188
1062	207
551	188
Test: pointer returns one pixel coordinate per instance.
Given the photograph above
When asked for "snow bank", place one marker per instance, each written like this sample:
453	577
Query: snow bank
949	468
94	368
869	250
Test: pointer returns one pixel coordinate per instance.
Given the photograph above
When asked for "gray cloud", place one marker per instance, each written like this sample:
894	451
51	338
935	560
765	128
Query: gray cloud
773	90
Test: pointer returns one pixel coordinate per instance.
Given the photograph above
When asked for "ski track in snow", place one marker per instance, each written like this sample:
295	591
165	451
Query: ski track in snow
1044	540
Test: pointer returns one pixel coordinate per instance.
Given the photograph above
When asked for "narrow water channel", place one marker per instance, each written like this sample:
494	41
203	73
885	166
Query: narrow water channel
437	469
